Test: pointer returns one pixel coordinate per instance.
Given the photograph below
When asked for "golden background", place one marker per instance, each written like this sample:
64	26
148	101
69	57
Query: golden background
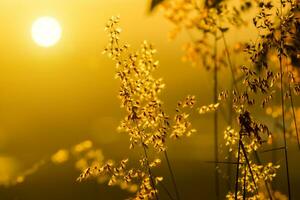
52	98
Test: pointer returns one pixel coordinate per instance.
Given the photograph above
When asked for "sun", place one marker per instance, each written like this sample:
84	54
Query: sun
46	31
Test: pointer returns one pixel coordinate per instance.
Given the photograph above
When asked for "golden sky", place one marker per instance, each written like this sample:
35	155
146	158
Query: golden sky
55	97
52	98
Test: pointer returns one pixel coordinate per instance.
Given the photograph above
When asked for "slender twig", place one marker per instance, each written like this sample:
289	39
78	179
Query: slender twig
148	164
166	190
237	172
273	149
294	115
172	175
230	116
151	177
234	84
266	183
150	172
283	104
284	129
224	162
229	62
274	155
244	190
234	81
291	98
249	166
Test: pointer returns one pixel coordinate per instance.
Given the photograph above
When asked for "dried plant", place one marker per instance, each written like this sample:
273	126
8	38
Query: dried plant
267	79
254	85
145	122
277	35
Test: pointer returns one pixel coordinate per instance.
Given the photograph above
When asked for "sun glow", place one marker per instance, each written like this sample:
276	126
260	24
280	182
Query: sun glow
46	31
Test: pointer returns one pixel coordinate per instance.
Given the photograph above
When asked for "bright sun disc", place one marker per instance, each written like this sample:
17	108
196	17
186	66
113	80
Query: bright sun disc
46	31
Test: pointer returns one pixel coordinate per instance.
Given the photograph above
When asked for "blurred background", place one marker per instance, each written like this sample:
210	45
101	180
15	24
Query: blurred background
53	98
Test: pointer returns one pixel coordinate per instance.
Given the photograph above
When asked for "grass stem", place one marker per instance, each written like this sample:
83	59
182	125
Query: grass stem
283	102
172	175
150	172
294	115
237	171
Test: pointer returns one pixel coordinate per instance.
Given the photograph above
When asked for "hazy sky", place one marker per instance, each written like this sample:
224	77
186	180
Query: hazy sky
55	97
52	98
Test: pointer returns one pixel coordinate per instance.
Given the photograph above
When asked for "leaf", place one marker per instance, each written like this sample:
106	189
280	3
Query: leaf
155	3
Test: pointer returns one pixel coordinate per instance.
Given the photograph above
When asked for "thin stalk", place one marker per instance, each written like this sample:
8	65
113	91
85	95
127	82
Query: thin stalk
274	155
151	178
216	117
234	85
229	62
284	129
224	162
282	105
273	149
293	109
249	166
244	190
234	81
237	172
150	172
229	168
266	183
294	115
166	190
172	175
148	164
236	88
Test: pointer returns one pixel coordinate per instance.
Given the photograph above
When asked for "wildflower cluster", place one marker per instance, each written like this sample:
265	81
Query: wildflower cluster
134	180
145	121
276	28
202	19
251	174
209	108
182	126
274	69
214	18
149	126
